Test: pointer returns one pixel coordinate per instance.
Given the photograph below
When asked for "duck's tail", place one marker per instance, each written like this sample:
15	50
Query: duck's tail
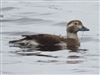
24	44
18	43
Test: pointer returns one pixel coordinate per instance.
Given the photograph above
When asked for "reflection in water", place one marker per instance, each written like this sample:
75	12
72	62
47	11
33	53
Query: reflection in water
75	58
72	57
48	61
36	54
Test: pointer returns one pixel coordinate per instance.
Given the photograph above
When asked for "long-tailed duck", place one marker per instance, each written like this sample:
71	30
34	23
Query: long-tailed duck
49	42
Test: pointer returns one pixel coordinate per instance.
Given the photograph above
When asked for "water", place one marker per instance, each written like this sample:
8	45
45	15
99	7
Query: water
29	17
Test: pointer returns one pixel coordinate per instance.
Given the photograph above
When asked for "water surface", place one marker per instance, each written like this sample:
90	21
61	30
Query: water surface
28	17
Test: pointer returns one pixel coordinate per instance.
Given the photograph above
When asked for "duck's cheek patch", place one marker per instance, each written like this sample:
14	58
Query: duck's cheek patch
79	26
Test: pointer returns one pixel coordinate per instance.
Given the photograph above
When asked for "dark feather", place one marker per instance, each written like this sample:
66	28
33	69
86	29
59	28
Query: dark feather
45	39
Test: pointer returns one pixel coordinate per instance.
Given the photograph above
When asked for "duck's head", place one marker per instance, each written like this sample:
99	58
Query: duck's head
76	25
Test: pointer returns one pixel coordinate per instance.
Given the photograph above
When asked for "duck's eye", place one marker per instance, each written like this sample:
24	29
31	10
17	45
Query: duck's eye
76	23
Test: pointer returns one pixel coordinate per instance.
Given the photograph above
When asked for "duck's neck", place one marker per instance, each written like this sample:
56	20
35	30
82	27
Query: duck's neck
72	42
72	35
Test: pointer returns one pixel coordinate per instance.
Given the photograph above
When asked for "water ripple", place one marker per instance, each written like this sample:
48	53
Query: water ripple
18	33
26	20
7	8
61	24
88	39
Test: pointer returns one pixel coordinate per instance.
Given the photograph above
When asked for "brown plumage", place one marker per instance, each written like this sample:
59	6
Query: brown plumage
49	42
72	44
45	39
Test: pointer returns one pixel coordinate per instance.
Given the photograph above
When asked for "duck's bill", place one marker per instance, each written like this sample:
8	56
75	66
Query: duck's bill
84	29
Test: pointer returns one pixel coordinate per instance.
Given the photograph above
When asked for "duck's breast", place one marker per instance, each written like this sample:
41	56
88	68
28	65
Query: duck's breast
72	44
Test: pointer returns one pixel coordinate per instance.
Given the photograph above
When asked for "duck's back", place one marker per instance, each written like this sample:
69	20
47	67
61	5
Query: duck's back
45	39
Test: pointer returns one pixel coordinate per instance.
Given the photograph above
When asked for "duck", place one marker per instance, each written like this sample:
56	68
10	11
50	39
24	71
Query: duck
50	42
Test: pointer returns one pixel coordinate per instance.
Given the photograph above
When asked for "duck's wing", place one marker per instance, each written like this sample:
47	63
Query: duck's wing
45	39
